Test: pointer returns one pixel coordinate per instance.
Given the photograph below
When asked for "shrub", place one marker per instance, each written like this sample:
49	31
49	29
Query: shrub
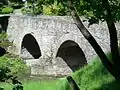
12	66
13	63
37	10
7	10
25	11
51	10
47	10
4	42
29	10
55	9
4	74
10	69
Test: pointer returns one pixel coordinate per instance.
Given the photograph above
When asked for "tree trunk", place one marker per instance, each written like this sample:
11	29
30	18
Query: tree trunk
114	48
73	84
113	35
113	40
91	40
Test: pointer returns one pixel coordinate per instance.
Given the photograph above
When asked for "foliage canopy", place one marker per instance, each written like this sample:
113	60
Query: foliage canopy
96	8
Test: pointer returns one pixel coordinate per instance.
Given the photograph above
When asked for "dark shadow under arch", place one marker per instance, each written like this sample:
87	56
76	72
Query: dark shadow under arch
72	54
30	47
2	51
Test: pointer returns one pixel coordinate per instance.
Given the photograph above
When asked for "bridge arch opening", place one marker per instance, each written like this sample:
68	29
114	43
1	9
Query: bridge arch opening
30	48
72	54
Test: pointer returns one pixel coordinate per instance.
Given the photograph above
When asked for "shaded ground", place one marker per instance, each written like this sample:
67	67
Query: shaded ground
114	85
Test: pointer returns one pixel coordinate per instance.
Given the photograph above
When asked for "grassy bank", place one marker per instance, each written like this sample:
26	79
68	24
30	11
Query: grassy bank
95	77
91	77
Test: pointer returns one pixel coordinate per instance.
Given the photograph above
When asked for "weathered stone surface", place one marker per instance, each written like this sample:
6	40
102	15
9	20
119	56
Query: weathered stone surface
50	33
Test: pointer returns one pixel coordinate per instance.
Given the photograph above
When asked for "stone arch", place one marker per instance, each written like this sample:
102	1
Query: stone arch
30	48
72	54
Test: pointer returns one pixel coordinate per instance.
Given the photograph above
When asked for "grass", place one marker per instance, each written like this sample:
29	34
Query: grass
45	85
95	77
91	77
40	85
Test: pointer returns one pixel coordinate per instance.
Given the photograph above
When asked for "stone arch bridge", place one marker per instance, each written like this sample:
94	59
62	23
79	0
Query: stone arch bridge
53	45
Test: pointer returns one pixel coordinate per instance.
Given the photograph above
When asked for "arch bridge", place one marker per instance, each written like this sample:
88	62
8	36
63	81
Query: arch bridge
53	45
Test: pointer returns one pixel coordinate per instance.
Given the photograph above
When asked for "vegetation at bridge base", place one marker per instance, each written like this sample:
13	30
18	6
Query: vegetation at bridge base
10	65
16	65
93	76
4	42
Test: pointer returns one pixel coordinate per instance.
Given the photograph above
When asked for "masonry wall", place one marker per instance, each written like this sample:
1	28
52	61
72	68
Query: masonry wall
50	33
